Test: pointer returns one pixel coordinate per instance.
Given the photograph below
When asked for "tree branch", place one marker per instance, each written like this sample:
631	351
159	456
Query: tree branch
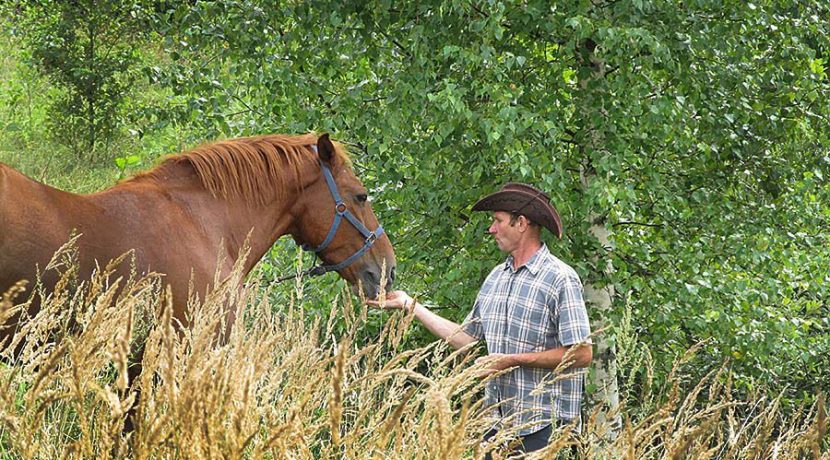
631	222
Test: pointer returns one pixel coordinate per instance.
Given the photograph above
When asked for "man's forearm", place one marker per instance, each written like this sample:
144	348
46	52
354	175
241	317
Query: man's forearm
442	327
551	359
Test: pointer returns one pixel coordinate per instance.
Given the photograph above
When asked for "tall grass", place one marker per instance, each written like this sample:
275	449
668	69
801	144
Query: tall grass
279	384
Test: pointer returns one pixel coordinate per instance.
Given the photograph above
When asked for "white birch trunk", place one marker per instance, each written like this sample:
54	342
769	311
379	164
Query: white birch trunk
605	400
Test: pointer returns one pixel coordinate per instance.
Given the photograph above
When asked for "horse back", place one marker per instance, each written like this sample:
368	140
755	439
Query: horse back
175	234
33	224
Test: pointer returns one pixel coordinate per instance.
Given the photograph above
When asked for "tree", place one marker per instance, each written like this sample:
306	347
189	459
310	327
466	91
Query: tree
89	49
672	138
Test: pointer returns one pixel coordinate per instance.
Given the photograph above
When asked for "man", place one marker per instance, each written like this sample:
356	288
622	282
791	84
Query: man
530	313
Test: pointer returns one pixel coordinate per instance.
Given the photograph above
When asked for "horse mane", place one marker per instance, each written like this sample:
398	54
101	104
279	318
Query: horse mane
255	169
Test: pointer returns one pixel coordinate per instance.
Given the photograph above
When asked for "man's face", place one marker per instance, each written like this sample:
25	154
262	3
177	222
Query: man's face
507	236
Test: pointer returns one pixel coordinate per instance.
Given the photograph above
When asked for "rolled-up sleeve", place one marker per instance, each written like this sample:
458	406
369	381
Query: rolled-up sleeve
574	325
472	324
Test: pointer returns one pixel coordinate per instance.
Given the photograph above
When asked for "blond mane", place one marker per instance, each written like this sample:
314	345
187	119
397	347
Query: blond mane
255	169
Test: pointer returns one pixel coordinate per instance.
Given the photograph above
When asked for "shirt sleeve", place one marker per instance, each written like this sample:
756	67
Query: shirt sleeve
574	326
472	324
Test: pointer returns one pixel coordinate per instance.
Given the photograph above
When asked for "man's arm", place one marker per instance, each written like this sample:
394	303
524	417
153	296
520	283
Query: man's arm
439	326
580	354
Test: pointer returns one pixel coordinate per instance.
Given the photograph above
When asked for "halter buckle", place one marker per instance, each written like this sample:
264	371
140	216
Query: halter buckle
340	208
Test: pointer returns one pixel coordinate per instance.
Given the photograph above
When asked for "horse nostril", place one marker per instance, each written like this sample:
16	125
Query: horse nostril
372	276
391	275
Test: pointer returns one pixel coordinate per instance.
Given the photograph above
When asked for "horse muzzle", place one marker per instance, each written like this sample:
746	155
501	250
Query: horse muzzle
370	279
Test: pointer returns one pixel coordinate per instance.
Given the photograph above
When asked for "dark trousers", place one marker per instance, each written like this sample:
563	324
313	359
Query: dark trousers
527	443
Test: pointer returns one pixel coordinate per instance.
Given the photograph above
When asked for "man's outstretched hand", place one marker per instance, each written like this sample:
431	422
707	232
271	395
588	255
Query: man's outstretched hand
394	300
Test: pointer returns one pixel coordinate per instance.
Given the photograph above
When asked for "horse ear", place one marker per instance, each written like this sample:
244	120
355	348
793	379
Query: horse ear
325	148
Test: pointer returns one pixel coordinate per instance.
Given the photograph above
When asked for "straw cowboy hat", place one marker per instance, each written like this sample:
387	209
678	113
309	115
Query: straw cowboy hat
526	200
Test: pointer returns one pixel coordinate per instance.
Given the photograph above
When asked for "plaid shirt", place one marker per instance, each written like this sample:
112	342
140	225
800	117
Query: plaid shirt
532	309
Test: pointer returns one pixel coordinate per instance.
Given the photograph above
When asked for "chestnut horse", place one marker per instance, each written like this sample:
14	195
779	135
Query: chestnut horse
179	215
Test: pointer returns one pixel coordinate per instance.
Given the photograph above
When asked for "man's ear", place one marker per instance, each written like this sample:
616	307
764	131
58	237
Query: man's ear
325	149
524	222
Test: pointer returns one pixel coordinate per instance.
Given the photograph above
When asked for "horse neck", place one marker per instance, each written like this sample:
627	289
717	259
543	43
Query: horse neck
256	225
230	222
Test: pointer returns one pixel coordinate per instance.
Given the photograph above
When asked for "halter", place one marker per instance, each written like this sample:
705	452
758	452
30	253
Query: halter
340	211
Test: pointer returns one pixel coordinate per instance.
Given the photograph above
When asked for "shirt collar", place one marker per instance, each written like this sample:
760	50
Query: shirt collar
534	264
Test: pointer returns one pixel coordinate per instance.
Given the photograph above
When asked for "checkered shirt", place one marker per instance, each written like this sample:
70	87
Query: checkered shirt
535	308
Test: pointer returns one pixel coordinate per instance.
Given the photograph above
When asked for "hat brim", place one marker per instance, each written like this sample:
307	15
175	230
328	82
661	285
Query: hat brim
529	205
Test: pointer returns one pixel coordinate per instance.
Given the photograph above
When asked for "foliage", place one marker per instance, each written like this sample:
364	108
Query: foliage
24	96
700	123
89	49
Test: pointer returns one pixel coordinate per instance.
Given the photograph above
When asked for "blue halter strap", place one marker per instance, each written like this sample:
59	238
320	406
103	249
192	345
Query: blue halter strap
340	211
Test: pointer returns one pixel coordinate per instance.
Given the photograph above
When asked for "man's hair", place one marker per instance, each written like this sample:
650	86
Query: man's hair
515	217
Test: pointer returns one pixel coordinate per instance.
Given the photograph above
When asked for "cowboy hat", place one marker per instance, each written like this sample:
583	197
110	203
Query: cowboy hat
526	200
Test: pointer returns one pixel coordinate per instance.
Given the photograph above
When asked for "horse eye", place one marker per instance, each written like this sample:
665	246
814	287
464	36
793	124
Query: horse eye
361	198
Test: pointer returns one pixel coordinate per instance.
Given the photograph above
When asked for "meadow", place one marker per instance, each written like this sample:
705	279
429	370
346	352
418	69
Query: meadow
284	384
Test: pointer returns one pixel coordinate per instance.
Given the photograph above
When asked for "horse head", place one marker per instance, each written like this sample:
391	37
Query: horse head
336	221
